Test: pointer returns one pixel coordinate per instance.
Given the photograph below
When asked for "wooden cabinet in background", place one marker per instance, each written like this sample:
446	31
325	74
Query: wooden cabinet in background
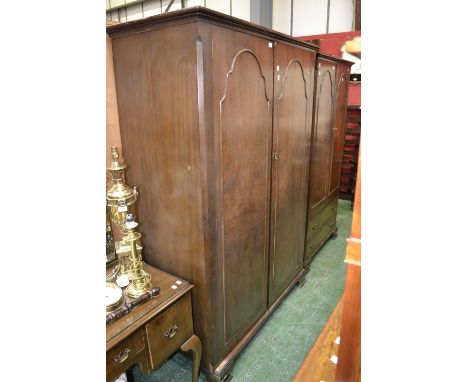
350	153
332	77
215	117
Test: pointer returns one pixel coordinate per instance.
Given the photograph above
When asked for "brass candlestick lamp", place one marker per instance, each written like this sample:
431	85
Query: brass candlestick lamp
121	200
140	281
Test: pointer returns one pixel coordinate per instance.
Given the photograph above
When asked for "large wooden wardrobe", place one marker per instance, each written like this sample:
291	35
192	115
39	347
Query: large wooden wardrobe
216	117
331	94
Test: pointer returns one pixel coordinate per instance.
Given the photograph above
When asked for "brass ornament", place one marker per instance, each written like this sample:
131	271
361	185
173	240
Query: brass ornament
140	281
114	297
121	200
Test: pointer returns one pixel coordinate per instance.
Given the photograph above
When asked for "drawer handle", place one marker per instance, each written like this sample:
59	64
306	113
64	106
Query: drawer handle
122	356
172	332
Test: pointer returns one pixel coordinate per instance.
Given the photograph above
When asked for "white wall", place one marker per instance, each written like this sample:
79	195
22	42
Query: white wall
240	8
341	16
282	16
151	8
219	5
309	16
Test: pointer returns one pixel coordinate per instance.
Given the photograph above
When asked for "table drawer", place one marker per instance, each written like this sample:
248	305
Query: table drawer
124	354
169	331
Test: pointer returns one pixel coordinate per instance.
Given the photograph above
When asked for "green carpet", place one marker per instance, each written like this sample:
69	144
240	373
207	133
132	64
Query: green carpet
279	347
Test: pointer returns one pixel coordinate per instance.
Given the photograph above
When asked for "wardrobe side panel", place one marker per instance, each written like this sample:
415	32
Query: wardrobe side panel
158	95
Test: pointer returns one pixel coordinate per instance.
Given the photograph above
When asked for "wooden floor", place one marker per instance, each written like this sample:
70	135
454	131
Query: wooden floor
318	365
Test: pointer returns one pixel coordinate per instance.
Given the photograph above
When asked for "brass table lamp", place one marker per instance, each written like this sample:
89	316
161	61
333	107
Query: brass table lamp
121	200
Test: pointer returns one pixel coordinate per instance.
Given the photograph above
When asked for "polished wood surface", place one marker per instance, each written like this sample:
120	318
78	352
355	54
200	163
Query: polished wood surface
339	120
169	331
317	231
196	95
317	365
154	330
293	96
349	360
332	77
124	326
243	123
128	352
320	155
158	94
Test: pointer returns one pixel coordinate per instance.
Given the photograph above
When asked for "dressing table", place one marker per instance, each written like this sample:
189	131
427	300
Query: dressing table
154	330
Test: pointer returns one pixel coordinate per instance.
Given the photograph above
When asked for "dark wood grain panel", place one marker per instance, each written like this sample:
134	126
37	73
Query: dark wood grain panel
169	331
244	132
293	72
326	154
159	80
323	115
127	353
163	143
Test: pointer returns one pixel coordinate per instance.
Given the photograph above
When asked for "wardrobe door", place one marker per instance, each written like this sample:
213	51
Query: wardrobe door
321	144
320	155
339	123
242	106
293	94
